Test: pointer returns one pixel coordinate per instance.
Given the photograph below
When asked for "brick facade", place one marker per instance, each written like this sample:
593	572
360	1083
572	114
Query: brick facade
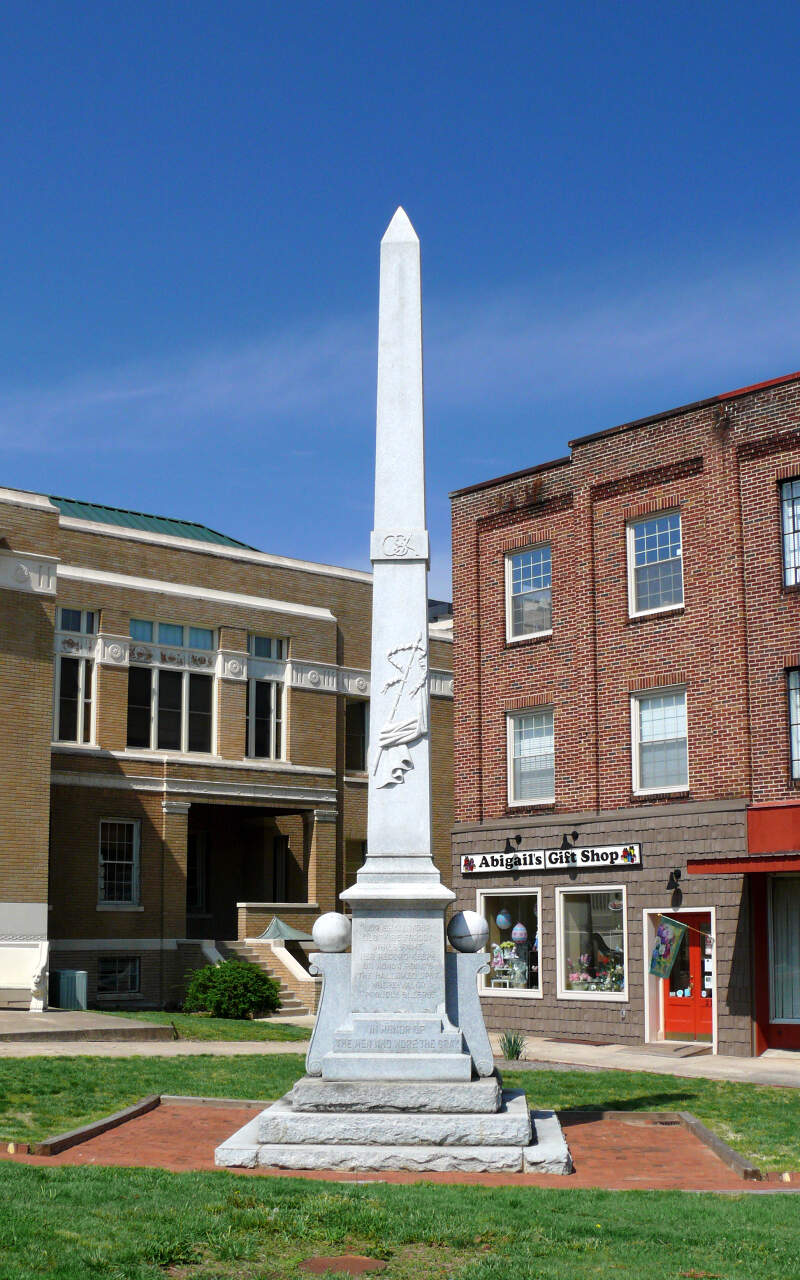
250	833
729	645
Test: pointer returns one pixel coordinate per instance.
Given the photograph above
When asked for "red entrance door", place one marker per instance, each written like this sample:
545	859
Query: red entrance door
688	989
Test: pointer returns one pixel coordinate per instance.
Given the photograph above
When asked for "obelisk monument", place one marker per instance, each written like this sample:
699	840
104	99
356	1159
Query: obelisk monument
400	1072
399	1027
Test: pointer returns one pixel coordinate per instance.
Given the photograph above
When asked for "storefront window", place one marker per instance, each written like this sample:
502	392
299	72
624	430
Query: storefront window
513	941
785	977
592	953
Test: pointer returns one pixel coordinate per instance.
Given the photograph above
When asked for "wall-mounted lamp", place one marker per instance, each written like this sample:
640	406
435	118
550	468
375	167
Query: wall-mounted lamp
674	877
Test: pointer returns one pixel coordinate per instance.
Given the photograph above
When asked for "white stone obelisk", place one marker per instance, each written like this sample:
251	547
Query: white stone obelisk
398	901
399	859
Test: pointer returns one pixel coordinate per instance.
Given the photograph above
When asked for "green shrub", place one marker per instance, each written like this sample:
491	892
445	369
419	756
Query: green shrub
231	989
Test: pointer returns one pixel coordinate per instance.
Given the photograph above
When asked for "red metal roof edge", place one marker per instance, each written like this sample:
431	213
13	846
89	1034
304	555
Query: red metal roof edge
629	426
686	408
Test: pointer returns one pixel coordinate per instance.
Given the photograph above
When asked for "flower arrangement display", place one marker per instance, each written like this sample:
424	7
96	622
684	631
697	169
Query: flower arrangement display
605	974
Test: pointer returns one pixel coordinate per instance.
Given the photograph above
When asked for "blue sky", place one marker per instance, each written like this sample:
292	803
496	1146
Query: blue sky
193	195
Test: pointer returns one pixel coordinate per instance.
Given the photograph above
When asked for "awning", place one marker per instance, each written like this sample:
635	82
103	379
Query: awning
750	864
278	928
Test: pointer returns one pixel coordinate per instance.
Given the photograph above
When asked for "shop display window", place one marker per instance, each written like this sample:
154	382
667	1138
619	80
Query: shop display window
592	943
513	944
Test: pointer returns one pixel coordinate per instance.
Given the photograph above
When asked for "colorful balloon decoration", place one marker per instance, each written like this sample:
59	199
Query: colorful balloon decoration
503	919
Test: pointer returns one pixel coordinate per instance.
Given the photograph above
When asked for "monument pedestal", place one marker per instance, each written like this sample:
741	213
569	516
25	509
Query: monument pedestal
311	1129
373	1099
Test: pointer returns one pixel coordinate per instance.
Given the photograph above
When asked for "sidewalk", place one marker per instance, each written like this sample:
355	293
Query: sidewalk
775	1067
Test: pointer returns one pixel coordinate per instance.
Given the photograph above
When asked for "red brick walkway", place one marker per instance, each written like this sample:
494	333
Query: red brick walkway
619	1153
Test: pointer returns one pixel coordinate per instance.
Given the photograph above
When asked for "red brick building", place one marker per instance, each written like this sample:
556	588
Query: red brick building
627	727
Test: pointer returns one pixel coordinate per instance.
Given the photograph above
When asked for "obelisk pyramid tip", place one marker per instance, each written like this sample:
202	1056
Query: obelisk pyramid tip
400	230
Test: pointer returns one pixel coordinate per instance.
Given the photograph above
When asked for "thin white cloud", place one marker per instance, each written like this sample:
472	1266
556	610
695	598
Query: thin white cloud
484	357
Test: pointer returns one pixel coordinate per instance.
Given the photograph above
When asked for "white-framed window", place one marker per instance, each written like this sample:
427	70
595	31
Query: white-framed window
119	975
529	605
170	710
655	564
790	528
660	754
82	621
356	734
794	720
264	719
73	719
513	919
118	883
174	634
531	758
275	647
592	943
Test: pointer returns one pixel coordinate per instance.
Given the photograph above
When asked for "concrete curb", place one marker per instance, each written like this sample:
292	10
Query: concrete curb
52	1146
727	1154
187	1099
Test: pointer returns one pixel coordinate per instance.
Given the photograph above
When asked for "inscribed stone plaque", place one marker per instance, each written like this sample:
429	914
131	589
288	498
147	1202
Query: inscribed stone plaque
397	961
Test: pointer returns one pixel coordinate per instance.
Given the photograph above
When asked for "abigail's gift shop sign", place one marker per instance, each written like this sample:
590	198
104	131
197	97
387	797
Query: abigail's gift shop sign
605	856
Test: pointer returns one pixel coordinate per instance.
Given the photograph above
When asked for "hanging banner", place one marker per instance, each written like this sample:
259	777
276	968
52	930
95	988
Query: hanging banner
669	936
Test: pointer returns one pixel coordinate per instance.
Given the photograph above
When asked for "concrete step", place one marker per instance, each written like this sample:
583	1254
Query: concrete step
290	1004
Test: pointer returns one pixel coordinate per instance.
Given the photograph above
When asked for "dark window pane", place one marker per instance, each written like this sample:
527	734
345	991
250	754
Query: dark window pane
68	700
355	742
200	689
261	728
88	677
139	690
70	619
170	685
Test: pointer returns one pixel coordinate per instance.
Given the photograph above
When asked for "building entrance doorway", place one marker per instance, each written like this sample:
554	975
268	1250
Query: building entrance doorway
688	991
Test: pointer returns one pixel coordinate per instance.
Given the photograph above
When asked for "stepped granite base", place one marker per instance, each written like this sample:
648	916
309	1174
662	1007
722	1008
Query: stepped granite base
317	1127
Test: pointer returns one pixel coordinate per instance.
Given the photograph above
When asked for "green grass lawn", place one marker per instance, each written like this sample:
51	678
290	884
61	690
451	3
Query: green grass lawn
40	1097
200	1026
144	1224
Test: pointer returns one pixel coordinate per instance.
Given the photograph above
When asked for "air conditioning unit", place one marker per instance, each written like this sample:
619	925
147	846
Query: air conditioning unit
69	988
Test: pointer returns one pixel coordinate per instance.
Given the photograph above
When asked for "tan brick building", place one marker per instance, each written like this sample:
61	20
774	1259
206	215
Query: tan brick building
627	727
183	755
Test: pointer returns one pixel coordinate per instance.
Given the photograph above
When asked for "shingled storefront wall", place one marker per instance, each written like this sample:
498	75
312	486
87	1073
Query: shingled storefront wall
729	645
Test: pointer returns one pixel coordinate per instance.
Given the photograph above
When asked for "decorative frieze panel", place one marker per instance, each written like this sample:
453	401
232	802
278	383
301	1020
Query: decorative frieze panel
323	677
232	665
162	655
112	651
319	677
74	645
441	684
354	683
35	575
266	669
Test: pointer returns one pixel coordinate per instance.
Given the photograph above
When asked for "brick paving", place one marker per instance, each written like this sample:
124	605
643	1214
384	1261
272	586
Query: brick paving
618	1153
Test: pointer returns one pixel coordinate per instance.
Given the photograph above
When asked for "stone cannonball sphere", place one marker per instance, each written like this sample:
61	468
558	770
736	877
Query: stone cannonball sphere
332	931
468	931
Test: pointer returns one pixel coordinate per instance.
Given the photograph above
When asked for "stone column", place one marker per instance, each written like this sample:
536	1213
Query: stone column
320	837
175	834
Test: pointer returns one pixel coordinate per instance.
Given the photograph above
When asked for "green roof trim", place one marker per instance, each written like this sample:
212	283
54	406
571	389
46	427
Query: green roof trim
99	514
278	928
